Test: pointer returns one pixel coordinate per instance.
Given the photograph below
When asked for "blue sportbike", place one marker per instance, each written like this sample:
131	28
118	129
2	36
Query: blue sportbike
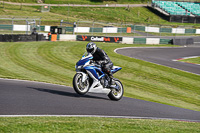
90	78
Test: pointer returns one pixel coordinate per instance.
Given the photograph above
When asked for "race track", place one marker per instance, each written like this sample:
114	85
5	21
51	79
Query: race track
34	98
165	56
19	97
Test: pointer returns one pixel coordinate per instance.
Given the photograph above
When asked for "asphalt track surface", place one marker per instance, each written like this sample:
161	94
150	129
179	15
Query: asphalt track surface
165	56
18	97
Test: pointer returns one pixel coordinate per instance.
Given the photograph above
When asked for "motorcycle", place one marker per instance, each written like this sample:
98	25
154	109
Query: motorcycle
89	77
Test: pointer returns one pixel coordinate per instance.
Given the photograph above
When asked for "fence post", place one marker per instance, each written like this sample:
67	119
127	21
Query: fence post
76	27
176	31
159	30
12	25
26	26
147	30
39	24
93	28
121	30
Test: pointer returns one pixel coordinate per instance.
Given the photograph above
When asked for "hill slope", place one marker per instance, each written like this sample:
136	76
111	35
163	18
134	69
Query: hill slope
120	15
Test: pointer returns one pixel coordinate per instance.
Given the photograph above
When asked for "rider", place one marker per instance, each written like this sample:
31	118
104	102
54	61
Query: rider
100	57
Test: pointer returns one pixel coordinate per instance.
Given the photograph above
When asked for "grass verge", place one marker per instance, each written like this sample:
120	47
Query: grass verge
195	60
54	62
103	125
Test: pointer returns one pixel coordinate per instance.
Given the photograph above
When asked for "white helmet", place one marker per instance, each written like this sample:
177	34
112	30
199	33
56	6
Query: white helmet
91	47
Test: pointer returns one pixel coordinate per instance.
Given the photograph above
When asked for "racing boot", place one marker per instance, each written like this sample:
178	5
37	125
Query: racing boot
112	82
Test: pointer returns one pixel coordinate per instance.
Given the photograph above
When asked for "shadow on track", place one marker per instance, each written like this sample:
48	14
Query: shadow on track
68	94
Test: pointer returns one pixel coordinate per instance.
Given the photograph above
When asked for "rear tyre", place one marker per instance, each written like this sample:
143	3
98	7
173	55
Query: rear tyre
80	87
116	94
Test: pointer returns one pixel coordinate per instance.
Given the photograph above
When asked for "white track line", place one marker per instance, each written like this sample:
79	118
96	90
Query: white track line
29	81
189	57
143	47
102	116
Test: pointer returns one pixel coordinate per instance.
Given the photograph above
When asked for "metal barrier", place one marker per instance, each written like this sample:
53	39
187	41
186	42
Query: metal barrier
21	38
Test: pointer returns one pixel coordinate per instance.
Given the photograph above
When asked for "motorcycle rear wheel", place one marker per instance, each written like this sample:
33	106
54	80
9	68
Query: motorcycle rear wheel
116	94
80	87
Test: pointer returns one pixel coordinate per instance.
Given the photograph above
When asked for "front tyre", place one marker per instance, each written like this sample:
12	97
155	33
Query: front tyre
116	94
80	87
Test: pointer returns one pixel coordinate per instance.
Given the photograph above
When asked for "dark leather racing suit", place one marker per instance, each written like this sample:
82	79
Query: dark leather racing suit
102	58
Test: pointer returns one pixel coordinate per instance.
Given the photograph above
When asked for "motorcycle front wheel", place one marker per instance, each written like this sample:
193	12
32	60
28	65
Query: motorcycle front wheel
80	87
116	94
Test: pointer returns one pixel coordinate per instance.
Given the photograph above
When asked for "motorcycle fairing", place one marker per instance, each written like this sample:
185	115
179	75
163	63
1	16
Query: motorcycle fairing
94	70
96	86
82	62
115	69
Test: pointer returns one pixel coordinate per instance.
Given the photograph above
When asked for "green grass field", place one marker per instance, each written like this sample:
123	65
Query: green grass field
54	62
116	15
94	125
135	15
